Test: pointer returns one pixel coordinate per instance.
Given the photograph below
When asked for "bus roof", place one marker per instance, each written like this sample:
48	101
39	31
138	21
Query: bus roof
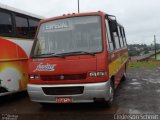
73	15
6	7
76	15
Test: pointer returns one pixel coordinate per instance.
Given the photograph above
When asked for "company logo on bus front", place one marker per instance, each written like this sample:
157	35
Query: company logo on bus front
45	67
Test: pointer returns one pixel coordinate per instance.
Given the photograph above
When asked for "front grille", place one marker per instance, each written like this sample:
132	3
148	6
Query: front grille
63	90
63	77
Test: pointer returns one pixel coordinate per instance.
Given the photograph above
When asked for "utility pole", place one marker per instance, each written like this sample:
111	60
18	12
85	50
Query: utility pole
155	47
78	6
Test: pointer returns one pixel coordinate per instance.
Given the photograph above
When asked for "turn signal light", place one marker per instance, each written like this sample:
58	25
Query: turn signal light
33	77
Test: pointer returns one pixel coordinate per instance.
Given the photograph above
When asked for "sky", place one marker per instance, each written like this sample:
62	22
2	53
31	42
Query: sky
140	18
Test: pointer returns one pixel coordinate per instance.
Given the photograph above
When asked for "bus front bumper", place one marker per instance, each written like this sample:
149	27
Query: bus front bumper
91	93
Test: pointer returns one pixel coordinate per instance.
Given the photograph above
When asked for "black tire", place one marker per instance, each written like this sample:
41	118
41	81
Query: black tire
123	77
2	89
112	92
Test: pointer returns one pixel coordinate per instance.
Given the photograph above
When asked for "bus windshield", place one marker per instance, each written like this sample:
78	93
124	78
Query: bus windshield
69	35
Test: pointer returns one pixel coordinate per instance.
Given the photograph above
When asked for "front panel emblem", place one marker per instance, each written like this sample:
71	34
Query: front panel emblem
62	77
45	67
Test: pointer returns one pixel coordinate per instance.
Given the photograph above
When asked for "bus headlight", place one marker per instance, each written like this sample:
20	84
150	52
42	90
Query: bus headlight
99	73
92	74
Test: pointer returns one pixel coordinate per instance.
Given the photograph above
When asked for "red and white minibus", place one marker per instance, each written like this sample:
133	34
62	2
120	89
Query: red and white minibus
77	58
17	29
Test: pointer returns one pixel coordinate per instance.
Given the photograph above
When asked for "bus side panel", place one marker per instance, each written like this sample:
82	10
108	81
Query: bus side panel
13	76
117	64
13	67
119	75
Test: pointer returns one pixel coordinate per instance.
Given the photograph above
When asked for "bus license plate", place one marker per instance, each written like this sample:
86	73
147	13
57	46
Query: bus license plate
64	100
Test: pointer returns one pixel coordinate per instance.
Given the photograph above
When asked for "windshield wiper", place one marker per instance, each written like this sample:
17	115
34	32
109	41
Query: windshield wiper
44	54
63	54
48	55
76	53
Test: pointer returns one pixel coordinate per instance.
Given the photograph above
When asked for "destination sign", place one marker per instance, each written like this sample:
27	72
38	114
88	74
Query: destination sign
57	26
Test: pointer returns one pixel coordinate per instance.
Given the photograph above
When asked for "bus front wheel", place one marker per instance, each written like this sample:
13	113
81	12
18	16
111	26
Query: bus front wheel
111	92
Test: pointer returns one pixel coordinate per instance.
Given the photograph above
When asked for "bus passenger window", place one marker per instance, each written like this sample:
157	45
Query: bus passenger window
109	42
5	23
21	26
116	38
124	38
33	27
120	36
122	42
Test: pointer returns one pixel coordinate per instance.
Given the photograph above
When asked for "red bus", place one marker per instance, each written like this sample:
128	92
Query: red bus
77	58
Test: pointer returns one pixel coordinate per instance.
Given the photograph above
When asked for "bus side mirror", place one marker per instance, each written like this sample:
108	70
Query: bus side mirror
113	25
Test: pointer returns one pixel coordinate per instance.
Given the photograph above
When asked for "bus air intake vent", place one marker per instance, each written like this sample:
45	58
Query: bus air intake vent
63	77
63	90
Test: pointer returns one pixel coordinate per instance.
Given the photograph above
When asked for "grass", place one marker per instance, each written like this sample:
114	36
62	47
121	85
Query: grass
158	57
144	64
